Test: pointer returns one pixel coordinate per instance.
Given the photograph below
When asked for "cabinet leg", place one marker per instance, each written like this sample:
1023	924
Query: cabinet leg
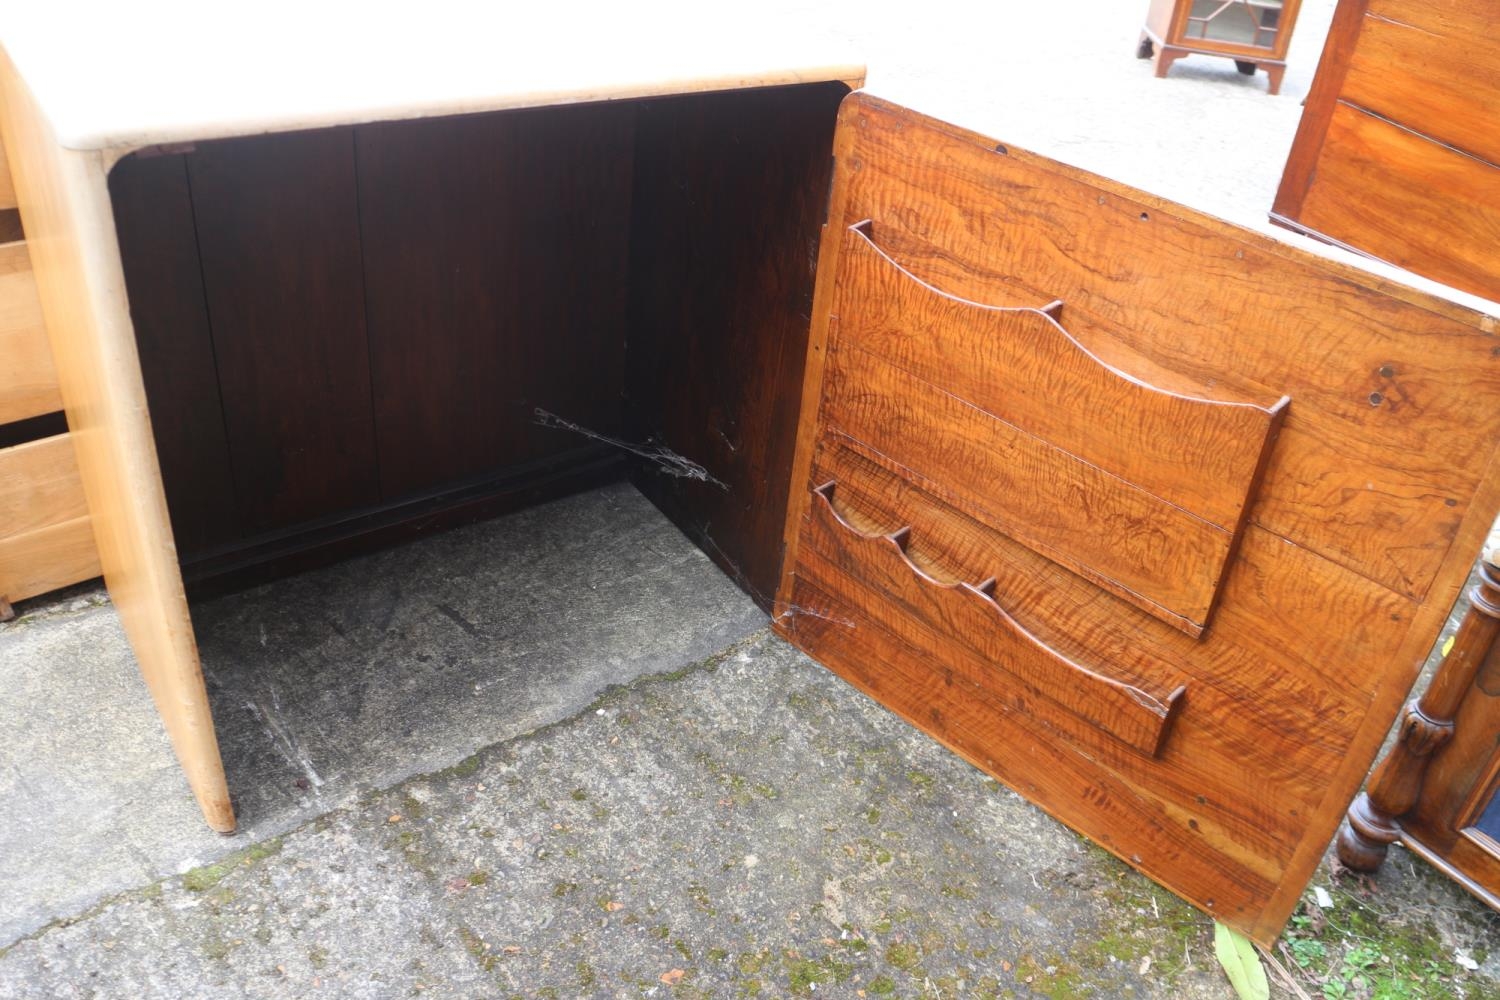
1373	821
1145	47
1274	75
1365	836
1165	57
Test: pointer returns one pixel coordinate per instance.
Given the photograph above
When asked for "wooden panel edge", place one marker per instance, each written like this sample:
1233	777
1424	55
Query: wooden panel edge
1387	703
1317	110
76	259
1260	242
829	244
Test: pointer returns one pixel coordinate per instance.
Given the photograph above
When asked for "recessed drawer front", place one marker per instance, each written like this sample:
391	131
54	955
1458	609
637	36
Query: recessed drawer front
1150	517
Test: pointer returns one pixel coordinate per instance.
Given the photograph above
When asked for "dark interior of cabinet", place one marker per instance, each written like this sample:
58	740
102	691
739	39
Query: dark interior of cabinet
353	335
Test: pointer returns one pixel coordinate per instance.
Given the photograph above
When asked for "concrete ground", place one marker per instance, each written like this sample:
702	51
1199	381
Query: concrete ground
559	755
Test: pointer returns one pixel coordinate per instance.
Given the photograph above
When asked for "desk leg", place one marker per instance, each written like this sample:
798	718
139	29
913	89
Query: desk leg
64	200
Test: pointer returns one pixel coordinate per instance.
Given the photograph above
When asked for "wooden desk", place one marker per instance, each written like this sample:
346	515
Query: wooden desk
170	87
1149	516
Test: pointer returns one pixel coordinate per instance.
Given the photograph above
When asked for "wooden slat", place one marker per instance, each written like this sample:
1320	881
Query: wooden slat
48	558
39	485
972	614
1408	200
46	538
82	290
1271	581
1022	366
28	381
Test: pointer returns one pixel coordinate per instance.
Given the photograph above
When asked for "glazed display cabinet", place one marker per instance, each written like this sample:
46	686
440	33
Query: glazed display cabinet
1254	33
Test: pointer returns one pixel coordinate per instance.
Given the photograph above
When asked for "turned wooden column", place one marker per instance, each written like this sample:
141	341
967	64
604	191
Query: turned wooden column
1374	820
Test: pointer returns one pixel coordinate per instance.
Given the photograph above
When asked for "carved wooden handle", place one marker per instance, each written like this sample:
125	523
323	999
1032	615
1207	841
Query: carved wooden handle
1126	711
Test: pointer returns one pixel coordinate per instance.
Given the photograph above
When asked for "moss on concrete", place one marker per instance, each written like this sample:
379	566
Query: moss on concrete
204	878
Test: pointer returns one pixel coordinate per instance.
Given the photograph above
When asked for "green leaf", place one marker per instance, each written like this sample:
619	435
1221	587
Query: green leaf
1241	964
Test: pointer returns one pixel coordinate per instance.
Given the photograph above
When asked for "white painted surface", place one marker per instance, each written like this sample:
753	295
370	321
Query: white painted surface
124	75
1057	78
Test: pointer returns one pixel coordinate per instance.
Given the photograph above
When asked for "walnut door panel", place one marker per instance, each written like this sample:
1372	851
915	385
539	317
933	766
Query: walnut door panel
1151	517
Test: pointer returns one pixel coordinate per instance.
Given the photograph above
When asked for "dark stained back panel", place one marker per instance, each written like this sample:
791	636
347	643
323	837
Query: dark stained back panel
154	218
730	195
496	258
278	236
349	329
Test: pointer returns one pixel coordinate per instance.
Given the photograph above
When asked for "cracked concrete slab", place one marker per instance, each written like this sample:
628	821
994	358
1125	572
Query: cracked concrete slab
334	682
752	827
749	826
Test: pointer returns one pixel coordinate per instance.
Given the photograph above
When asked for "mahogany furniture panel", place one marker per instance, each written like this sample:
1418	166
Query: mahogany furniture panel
1438	790
1000	576
169	310
1397	154
46	538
